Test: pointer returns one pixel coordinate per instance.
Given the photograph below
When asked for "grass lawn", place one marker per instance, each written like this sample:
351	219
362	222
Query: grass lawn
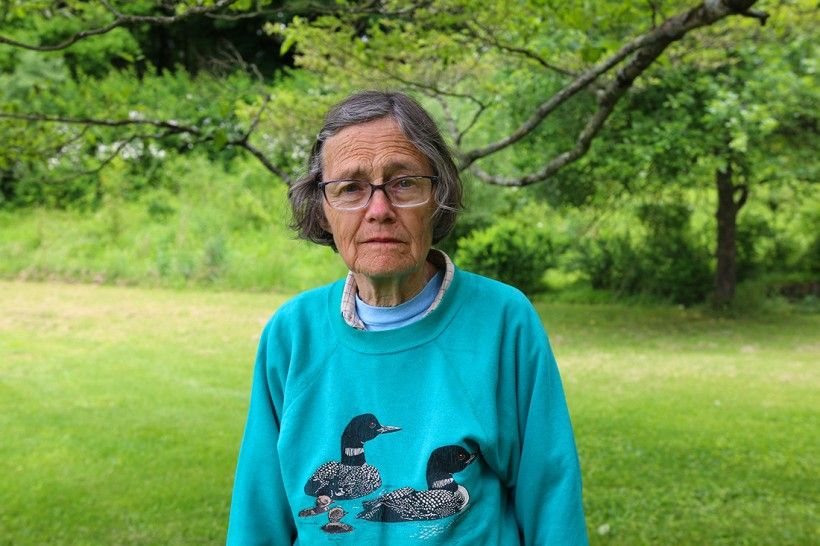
121	411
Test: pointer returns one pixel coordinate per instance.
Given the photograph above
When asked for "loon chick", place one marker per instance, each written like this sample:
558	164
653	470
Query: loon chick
351	477
334	525
443	498
322	505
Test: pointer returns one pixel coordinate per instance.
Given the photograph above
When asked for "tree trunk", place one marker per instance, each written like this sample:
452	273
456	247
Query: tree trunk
164	57
728	207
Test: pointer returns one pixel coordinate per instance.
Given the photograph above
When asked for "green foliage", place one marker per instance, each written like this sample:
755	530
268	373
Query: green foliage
195	44
662	260
465	58
59	165
516	250
776	292
733	93
217	227
752	230
750	104
185	73
743	97
674	266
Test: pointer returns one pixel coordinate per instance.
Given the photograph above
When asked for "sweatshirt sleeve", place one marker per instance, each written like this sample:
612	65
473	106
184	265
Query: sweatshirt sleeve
547	493
260	513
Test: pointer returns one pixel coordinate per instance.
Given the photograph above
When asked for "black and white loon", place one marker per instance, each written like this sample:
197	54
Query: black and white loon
443	498
351	477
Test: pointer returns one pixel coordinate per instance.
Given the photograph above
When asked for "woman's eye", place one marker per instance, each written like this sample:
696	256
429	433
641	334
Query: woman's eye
406	183
351	187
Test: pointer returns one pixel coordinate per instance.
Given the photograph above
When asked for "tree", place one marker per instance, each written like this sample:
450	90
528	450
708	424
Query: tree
738	115
413	45
451	52
490	69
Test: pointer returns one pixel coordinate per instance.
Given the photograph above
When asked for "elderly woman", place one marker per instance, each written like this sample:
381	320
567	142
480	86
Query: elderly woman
412	402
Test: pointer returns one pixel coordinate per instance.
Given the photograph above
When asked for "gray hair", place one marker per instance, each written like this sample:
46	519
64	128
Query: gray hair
419	128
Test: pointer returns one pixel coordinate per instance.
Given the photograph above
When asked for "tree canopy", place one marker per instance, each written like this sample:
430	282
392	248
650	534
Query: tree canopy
579	99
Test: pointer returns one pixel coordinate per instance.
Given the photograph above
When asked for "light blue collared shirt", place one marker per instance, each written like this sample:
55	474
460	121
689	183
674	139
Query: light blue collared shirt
414	309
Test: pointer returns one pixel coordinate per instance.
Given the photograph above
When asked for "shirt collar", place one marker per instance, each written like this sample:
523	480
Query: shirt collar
435	257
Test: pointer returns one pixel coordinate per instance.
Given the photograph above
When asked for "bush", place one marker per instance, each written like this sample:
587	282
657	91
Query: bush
662	261
610	263
515	250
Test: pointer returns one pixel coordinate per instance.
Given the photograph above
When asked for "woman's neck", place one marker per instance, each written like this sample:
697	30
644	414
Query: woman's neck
393	290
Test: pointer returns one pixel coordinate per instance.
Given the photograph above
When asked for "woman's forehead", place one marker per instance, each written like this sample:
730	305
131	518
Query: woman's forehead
376	147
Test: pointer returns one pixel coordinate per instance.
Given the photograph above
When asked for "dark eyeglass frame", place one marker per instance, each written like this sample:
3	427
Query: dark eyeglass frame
373	187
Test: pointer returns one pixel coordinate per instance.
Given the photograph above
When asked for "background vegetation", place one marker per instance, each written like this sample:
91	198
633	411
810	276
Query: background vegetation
157	151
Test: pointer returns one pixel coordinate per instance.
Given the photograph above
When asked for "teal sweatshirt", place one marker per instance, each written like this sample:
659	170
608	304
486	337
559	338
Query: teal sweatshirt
451	430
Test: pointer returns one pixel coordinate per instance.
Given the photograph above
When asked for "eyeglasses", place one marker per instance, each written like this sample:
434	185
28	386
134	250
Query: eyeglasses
403	192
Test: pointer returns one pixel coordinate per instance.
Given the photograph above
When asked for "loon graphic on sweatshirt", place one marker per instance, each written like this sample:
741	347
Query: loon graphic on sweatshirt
443	498
351	477
335	525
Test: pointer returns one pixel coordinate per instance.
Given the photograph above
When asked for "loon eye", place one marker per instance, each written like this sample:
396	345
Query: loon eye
372	424
461	456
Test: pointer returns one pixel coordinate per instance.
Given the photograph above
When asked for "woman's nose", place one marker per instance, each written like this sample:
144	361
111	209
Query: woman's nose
379	206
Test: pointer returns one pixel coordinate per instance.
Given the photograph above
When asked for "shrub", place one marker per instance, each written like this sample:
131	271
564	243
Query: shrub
610	262
661	261
515	250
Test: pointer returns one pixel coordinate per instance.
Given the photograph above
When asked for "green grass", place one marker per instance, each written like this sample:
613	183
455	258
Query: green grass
223	228
693	429
121	410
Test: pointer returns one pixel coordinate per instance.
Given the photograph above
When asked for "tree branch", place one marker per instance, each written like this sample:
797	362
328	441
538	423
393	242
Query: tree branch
743	190
105	162
607	100
63	145
121	20
476	115
111	8
377	7
171	127
761	16
256	118
487	35
240	16
452	128
257	153
427	88
257	12
231	58
669	31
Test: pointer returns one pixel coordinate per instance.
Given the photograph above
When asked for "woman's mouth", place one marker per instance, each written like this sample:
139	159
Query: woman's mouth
383	240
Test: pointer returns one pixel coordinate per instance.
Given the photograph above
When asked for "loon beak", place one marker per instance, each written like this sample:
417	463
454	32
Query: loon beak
385	428
472	456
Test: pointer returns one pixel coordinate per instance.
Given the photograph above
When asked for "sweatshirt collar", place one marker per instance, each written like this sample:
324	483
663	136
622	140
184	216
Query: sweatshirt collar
435	257
400	339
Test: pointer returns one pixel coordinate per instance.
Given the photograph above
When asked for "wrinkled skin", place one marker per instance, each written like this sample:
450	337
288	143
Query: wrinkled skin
384	246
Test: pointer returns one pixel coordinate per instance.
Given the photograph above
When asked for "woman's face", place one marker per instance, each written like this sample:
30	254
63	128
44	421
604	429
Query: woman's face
379	240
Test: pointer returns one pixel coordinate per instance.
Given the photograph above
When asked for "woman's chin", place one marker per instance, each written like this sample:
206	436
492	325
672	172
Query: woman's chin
385	268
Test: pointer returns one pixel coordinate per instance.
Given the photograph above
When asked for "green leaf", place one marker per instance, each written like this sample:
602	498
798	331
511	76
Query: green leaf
290	39
220	139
